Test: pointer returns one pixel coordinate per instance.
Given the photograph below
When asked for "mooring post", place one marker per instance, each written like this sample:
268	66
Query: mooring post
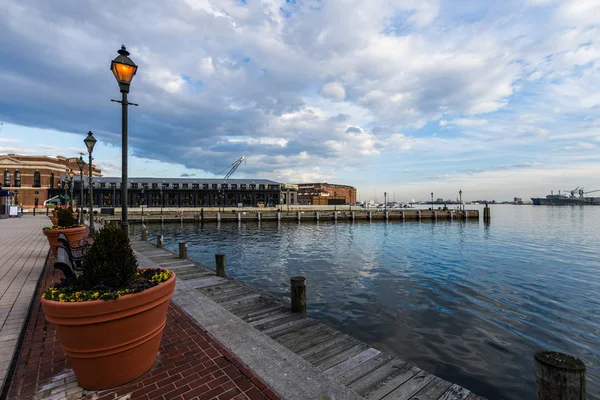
181	218
450	216
559	376
239	217
402	216
144	234
387	216
298	294
335	216
183	247
435	215
316	215
298	216
419	215
352	215
159	241
142	220
218	217
370	216
278	216
258	216
220	260
466	214
162	219
486	213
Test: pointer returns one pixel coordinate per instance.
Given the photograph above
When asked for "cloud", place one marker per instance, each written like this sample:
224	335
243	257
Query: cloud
580	146
185	175
464	122
334	91
9	140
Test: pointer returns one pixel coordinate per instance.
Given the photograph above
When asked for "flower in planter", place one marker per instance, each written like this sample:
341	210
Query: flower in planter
110	271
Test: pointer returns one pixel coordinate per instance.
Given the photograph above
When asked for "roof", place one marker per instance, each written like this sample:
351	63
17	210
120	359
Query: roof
109	179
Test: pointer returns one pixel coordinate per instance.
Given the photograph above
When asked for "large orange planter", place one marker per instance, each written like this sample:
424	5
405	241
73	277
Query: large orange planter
109	343
73	234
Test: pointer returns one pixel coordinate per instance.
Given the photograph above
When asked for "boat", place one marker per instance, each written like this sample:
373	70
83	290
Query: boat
575	197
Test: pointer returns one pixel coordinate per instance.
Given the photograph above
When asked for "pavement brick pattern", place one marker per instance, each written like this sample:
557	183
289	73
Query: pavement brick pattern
191	365
23	250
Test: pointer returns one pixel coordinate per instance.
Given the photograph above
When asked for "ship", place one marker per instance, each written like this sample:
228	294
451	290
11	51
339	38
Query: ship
575	197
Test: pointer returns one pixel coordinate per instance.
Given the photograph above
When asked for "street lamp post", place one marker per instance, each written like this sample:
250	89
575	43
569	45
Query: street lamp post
161	201
90	142
385	201
460	198
71	175
17	199
432	201
81	164
143	201
123	69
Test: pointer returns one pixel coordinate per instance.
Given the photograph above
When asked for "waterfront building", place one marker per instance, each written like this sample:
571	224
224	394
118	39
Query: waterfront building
179	192
289	194
33	176
325	194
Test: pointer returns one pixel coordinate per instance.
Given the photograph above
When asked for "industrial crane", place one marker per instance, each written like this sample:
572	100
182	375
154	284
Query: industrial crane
234	166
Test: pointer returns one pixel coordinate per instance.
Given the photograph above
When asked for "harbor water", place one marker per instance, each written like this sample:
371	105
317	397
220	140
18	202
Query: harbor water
467	301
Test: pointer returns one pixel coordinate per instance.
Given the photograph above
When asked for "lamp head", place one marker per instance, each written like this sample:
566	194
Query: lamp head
80	163
123	69
90	142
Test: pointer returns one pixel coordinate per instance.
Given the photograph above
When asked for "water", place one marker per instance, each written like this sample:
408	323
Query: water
466	301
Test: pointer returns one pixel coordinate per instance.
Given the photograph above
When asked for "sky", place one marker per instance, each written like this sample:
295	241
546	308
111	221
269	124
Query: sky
408	97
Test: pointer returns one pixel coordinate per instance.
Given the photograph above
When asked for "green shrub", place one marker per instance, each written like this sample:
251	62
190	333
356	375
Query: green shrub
65	217
110	261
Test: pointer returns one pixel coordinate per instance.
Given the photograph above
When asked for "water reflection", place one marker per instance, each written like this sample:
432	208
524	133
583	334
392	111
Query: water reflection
467	301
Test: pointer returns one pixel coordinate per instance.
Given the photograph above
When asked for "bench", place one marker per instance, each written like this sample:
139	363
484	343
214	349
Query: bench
63	262
76	254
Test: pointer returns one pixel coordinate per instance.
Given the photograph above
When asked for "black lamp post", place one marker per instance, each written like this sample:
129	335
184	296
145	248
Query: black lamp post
17	199
71	175
80	164
460	198
385	201
335	201
431	201
161	200
123	69
90	142
143	201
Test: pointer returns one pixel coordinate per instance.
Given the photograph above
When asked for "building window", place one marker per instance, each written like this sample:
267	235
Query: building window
155	186
17	179
252	186
234	186
36	179
51	180
6	178
261	187
205	186
145	185
215	186
134	185
176	186
195	186
102	185
243	186
165	185
224	186
185	185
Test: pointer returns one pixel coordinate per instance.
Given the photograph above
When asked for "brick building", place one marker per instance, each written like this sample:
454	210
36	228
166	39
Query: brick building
325	194
32	176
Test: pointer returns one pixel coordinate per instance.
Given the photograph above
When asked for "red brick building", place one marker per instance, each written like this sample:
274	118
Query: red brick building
325	194
32	176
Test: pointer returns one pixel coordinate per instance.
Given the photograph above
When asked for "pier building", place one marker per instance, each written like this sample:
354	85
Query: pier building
325	194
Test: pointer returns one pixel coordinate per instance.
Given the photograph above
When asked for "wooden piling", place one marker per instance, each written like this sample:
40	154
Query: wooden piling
298	216
220	260
559	376
387	216
353	216
450	216
144	234
218	217
239	217
258	216
159	241
435	215
466	214
278	216
486	214
335	216
298	294
183	248
316	215
419	215
370	216
402	216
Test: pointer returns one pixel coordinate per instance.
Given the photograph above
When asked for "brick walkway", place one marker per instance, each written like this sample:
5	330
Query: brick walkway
191	365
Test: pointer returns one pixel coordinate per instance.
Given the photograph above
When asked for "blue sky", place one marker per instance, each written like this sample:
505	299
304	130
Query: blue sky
498	99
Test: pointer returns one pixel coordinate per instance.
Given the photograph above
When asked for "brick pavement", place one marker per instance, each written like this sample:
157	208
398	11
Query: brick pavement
191	365
23	250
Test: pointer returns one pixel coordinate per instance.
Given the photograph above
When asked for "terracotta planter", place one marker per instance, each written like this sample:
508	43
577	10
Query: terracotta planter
109	343
54	221
73	234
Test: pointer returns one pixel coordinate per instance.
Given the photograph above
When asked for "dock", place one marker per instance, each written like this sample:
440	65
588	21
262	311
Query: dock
296	355
241	215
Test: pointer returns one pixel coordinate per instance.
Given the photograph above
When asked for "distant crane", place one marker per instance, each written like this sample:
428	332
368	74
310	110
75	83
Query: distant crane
234	166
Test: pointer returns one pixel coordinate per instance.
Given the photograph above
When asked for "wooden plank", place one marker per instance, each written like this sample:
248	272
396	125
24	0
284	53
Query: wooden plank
293	326
209	281
352	362
268	317
433	390
473	396
411	387
307	337
455	392
277	322
332	351
227	296
263	304
385	387
339	358
385	371
300	333
240	301
269	309
363	369
210	291
336	340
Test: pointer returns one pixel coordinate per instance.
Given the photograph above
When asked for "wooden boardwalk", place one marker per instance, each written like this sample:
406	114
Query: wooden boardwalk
23	252
365	370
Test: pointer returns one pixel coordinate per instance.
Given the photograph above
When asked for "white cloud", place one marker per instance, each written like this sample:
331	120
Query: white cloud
464	122
334	91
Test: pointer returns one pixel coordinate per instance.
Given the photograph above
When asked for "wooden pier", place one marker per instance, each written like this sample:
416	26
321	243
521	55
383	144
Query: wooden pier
212	216
363	370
